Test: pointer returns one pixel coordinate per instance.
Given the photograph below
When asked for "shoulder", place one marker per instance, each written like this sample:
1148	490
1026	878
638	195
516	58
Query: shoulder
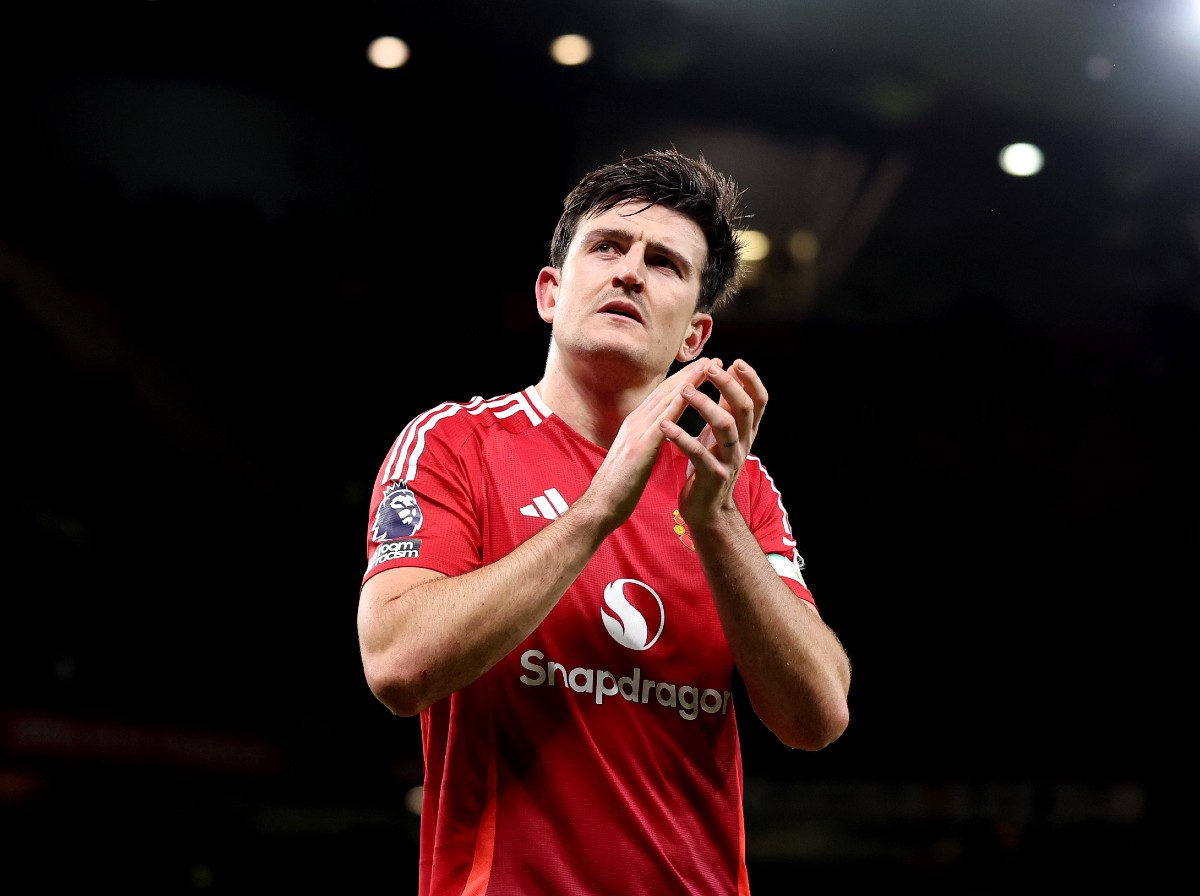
452	424
512	411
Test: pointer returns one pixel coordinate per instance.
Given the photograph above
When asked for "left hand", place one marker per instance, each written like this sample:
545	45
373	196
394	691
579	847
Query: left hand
716	455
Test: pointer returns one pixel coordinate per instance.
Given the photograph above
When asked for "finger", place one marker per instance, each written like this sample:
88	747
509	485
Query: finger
721	427
698	455
693	372
737	403
754	387
665	401
750	389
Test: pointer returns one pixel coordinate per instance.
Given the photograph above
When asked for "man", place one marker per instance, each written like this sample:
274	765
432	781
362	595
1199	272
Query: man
561	581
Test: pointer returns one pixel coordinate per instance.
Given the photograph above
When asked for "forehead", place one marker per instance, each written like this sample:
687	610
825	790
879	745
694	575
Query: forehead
657	224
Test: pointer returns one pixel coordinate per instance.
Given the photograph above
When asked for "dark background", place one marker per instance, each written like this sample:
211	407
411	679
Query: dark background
235	259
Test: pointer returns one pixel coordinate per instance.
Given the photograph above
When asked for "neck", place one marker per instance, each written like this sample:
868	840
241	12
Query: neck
593	398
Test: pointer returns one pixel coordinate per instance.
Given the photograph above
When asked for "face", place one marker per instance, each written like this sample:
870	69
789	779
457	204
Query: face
628	289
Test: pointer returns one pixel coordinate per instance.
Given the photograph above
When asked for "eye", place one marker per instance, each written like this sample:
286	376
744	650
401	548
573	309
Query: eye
604	247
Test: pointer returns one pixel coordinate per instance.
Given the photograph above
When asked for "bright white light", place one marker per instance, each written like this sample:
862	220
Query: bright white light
412	799
571	49
755	245
1021	159
388	52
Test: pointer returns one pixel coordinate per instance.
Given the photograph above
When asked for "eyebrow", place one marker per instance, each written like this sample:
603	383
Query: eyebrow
624	235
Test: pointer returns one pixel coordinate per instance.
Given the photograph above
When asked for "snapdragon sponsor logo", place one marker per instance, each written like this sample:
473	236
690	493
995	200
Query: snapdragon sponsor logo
633	615
688	700
629	611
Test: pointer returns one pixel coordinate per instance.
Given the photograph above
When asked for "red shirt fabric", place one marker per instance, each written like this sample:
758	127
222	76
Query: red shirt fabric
602	754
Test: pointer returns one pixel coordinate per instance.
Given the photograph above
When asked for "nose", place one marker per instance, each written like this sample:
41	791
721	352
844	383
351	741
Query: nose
628	279
631	271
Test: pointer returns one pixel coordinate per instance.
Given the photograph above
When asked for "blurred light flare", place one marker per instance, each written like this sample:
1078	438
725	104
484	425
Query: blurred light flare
804	246
1021	159
571	49
755	245
413	798
388	52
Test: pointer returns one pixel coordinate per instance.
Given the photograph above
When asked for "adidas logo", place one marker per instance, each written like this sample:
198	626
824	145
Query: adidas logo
549	505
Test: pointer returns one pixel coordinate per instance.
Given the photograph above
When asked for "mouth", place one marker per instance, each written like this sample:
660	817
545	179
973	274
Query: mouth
622	308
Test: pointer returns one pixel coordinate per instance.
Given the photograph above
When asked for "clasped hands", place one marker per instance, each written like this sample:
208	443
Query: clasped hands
715	455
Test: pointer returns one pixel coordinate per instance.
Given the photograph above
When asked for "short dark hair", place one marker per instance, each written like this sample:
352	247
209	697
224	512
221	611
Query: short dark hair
666	177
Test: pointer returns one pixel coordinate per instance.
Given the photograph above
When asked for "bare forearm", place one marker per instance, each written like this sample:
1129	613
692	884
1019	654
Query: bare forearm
795	670
427	641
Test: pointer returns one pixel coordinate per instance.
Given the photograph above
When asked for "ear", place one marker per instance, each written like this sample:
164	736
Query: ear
697	335
546	290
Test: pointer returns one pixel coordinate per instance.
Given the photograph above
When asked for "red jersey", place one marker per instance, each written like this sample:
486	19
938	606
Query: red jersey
602	754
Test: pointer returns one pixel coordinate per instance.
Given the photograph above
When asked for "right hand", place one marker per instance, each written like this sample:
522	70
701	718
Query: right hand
622	477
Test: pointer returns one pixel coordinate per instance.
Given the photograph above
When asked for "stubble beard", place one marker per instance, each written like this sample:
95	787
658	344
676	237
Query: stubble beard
614	360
